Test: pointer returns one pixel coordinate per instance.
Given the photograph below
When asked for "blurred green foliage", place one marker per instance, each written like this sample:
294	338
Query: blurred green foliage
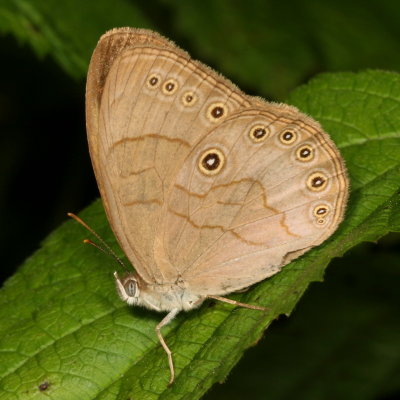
342	341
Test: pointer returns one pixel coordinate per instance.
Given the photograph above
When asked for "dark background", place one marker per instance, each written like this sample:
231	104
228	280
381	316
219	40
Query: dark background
44	161
45	171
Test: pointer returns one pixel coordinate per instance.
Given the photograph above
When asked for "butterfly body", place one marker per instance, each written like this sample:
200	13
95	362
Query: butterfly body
156	297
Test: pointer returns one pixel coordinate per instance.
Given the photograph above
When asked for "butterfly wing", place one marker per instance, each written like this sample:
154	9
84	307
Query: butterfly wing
148	104
200	181
257	191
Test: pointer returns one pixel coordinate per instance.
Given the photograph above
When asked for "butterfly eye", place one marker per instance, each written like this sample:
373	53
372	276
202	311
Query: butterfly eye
130	287
211	162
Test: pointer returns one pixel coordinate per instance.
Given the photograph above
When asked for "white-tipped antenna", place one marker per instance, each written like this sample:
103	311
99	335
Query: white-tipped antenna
108	250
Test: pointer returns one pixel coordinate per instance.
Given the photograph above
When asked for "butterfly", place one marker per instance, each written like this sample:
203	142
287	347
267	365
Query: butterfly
208	190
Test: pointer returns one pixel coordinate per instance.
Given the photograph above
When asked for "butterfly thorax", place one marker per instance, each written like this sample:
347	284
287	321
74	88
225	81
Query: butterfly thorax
134	291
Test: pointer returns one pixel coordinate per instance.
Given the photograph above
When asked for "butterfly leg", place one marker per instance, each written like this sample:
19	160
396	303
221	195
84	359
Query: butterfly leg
166	320
237	303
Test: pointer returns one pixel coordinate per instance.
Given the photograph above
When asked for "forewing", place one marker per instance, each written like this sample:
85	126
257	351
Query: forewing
148	104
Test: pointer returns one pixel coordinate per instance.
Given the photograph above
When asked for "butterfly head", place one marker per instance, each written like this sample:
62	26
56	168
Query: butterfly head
128	288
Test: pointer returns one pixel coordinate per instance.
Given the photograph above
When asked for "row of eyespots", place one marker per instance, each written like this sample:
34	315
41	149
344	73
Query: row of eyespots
212	161
169	87
316	181
259	133
215	112
303	153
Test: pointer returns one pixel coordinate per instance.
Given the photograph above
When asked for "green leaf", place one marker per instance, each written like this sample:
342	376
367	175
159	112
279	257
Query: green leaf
67	30
61	320
342	342
274	46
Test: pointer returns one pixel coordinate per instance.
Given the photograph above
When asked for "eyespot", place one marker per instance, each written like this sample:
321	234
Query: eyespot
258	133
170	86
130	287
216	112
211	162
153	81
320	212
287	136
189	99
317	181
305	153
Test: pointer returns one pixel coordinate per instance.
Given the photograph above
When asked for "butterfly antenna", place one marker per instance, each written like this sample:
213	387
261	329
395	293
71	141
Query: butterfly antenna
107	249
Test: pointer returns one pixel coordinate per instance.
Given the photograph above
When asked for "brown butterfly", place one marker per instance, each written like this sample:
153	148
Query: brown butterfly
208	190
